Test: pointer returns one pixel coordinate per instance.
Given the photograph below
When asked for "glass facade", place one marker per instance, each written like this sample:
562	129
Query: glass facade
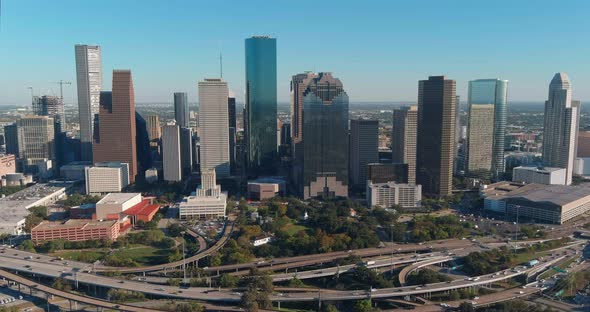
325	143
493	91
261	104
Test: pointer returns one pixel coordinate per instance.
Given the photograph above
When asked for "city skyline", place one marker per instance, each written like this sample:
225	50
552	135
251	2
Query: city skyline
399	35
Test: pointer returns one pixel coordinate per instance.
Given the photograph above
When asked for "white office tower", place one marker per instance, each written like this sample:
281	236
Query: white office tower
560	132
387	195
106	177
89	81
171	151
207	202
214	126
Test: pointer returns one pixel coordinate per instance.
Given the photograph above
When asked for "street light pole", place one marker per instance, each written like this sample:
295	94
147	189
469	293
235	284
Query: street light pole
391	264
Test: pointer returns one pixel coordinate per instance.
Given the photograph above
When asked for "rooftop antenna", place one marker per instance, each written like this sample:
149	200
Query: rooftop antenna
220	64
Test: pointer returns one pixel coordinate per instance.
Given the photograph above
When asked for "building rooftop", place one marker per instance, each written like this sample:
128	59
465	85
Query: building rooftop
264	180
144	208
499	189
539	169
549	195
73	223
117	198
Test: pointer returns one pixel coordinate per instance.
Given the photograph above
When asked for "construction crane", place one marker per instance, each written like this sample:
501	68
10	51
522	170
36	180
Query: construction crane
61	88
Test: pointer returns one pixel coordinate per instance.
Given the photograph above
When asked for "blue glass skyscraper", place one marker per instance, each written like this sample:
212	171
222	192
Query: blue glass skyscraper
487	127
261	104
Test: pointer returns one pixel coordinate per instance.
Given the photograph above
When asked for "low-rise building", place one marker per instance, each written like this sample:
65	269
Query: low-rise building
16	179
113	204
265	188
151	175
7	164
541	175
105	178
540	202
75	230
386	195
207	202
74	171
493	194
14	208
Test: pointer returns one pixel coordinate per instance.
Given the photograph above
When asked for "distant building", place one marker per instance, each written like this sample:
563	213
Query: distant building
115	139
181	111
75	230
213	119
383	173
385	195
265	188
583	144
151	175
7	164
560	131
154	130
171	153
232	119
108	177
89	82
11	137
363	149
403	139
16	179
541	175
207	202
36	138
51	106
186	151
436	127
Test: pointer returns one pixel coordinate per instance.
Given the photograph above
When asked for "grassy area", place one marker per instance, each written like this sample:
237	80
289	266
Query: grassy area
293	229
144	255
90	255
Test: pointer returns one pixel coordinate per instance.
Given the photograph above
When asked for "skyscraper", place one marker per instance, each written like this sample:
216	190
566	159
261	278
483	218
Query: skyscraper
115	139
181	111
486	128
214	121
48	105
325	143
562	116
172	154
11	137
89	81
403	139
436	135
363	149
299	84
261	104
36	138
154	130
231	111
142	144
186	153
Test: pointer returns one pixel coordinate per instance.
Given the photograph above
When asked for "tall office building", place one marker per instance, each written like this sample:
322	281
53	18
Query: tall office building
436	135
89	81
261	104
48	105
325	143
363	149
456	166
403	139
172	153
36	138
142	144
186	151
115	139
486	128
154	129
181	111
231	112
11	138
562	116
299	84
214	131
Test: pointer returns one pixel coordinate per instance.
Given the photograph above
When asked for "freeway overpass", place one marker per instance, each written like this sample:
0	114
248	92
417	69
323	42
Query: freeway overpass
403	274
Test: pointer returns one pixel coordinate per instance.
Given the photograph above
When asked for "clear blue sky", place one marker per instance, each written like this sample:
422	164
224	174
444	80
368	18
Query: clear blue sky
380	49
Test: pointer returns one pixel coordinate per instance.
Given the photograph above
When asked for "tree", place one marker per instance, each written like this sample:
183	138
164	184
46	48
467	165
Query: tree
466	307
27	246
228	281
364	306
175	229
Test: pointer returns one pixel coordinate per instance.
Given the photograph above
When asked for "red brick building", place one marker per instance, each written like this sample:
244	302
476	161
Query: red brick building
75	230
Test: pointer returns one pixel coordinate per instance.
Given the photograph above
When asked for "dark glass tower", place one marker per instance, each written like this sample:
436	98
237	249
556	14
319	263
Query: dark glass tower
231	113
436	135
261	104
325	139
181	112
